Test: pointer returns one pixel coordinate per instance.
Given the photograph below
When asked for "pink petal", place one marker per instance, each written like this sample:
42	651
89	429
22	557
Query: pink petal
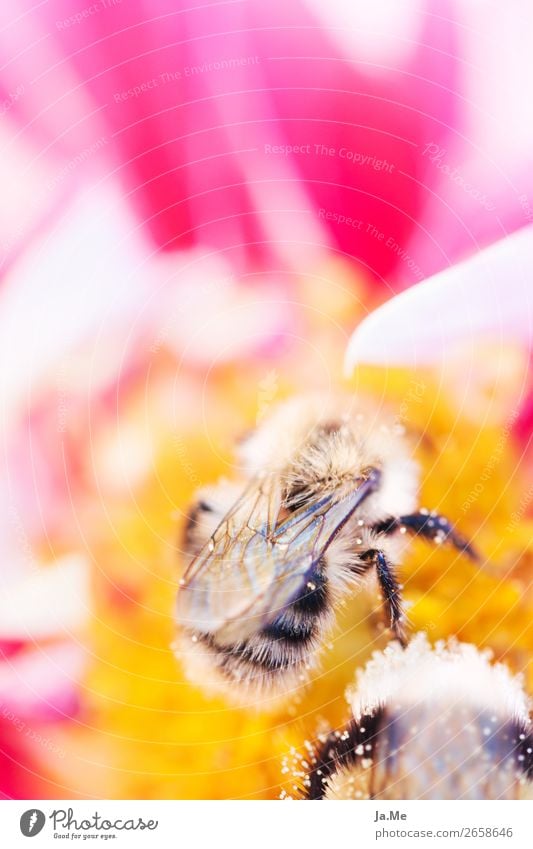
523	429
377	115
92	261
214	317
41	683
18	777
484	172
488	296
142	86
379	32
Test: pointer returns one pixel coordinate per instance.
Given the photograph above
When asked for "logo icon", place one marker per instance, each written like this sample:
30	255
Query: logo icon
32	822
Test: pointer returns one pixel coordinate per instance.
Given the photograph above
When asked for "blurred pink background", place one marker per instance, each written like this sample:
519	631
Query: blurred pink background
171	172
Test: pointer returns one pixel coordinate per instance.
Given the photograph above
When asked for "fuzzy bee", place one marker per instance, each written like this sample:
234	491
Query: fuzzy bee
427	723
328	493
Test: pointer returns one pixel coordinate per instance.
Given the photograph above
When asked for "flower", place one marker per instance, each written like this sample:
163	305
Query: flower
472	324
146	731
189	257
488	296
275	134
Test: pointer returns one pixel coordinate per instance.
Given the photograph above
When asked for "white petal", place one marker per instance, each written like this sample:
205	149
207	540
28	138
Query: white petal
52	601
383	31
86	274
489	296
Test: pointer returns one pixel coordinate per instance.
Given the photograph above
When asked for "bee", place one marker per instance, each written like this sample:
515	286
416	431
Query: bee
427	723
328	493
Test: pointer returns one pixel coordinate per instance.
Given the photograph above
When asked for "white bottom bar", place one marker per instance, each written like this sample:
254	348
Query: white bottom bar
196	825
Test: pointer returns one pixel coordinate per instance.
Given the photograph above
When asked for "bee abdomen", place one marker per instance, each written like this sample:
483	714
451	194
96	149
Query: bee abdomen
342	750
281	648
456	754
269	662
280	651
423	754
290	633
313	601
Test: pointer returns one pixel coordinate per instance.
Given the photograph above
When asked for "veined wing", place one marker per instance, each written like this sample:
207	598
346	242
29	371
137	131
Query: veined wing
254	565
226	575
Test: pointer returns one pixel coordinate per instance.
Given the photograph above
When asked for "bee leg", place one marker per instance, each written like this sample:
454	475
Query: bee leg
430	526
390	590
525	754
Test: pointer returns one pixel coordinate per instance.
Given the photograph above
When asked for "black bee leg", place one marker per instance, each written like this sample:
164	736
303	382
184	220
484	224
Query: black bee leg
390	589
525	754
429	525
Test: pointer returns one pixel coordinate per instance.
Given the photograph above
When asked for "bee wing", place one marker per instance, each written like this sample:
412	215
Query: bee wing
253	566
236	564
206	513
